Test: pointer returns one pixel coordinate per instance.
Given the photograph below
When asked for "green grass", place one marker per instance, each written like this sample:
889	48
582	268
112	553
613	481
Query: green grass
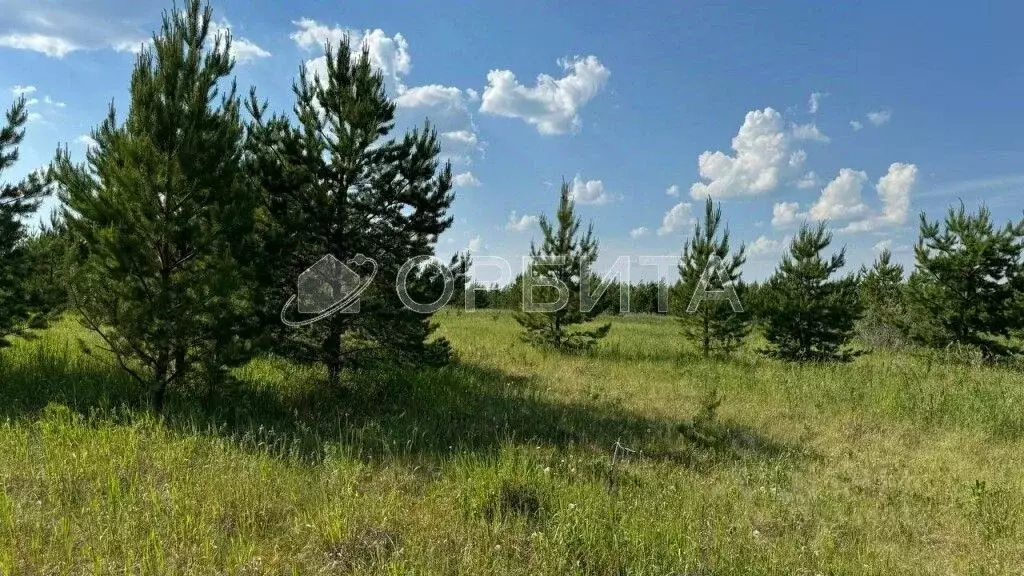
502	464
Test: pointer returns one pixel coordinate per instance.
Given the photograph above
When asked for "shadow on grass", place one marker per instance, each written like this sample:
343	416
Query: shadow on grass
383	413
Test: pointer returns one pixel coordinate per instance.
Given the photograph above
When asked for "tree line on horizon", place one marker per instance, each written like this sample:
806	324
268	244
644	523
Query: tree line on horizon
164	234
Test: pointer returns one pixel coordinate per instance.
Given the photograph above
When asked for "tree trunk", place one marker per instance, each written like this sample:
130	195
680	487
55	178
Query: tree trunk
158	388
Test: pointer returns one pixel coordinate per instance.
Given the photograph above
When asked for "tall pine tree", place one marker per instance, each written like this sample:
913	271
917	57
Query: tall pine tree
968	282
809	316
338	184
159	211
563	259
17	201
881	295
715	326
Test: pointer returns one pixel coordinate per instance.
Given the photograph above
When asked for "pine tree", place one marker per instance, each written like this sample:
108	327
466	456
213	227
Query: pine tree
808	316
968	282
563	259
17	201
160	212
336	184
881	295
715	326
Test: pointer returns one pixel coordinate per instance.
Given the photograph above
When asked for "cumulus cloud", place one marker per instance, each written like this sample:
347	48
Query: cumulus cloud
51	102
87	141
672	190
856	125
638	232
520	223
676	217
809	132
552	105
389	54
465	180
784	214
764	246
764	158
18	90
894	191
460	136
809	180
589	191
841	198
880	117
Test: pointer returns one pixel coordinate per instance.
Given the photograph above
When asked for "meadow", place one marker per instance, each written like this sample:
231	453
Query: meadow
641	458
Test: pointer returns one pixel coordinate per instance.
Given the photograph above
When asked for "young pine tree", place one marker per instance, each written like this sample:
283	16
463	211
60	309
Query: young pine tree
564	260
17	201
881	295
715	326
160	207
968	282
337	184
810	317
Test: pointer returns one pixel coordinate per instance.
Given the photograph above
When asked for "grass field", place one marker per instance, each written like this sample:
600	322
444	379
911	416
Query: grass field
506	463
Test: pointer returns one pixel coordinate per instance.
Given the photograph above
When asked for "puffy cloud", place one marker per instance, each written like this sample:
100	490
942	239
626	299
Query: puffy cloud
763	159
809	132
389	54
673	190
520	223
54	103
87	141
764	246
52	46
809	180
466	180
638	232
552	105
856	125
841	198
894	190
880	117
815	101
18	90
676	217
784	214
589	191
429	96
460	136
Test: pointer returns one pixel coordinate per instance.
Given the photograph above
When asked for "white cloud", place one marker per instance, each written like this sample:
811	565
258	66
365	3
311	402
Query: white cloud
19	90
784	214
475	244
809	132
460	136
763	159
132	46
676	217
841	198
52	46
809	180
87	141
880	117
34	117
53	103
389	54
894	190
466	180
589	191
764	246
429	96
638	232
815	101
245	51
883	245
520	223
855	125
673	190
552	105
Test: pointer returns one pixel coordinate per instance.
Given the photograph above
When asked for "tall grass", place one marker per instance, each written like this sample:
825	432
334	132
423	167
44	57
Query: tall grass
503	464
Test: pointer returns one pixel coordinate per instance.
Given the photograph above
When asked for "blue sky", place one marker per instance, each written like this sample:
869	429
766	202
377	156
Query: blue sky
861	115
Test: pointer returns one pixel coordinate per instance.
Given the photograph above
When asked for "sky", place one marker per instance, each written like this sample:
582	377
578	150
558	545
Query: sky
862	115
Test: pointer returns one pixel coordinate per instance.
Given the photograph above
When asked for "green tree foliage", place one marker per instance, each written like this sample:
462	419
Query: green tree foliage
715	326
564	259
18	312
160	210
810	317
968	283
337	184
881	295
